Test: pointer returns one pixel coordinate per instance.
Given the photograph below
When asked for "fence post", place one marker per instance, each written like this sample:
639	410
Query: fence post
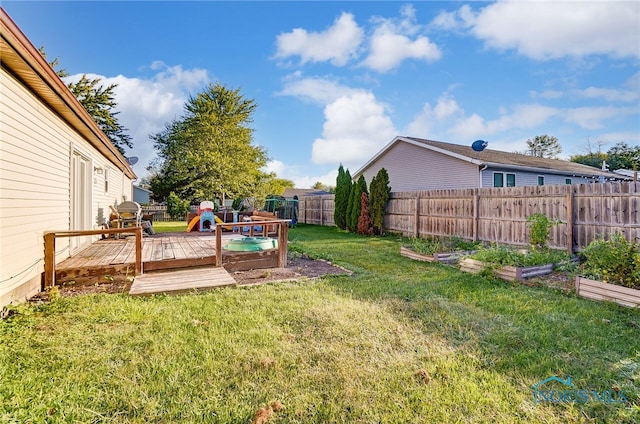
321	210
416	217
476	202
570	221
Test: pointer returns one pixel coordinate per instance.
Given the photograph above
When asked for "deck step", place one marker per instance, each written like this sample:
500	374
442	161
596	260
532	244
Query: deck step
180	281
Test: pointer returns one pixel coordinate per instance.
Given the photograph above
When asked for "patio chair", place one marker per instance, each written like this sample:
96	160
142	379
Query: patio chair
129	214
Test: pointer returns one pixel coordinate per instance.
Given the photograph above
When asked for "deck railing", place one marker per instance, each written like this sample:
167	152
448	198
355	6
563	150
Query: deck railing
50	249
280	226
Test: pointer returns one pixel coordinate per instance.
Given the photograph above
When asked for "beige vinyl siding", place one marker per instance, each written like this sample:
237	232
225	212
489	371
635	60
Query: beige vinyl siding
414	168
35	186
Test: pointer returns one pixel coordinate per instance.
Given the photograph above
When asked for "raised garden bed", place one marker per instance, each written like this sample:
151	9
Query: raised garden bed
508	273
597	290
445	258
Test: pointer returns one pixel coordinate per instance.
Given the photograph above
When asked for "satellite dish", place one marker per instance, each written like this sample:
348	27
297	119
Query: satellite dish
479	145
132	160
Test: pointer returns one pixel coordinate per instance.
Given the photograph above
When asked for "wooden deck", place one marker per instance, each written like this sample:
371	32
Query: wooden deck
181	281
193	257
117	256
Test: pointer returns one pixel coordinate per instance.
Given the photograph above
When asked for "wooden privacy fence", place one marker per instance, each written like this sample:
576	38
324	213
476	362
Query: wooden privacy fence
499	215
316	209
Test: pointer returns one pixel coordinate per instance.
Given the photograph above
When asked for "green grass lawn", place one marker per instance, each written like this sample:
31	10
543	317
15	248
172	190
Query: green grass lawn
170	226
400	341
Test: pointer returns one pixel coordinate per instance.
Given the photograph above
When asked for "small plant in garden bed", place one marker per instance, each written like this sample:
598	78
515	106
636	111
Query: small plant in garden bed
430	245
508	256
615	261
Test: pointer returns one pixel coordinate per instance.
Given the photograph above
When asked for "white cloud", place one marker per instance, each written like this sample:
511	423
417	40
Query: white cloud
299	175
146	105
610	95
337	44
522	117
355	128
392	43
456	21
548	30
426	123
316	89
591	117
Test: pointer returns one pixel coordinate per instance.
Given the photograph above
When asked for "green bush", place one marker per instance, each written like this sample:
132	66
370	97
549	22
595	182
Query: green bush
539	227
615	261
176	207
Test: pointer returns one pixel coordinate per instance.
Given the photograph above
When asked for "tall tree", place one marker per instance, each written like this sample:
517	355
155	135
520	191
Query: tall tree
100	102
208	153
544	146
342	193
356	203
364	220
380	192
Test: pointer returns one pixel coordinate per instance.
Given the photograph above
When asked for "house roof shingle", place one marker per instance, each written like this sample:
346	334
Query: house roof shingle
498	158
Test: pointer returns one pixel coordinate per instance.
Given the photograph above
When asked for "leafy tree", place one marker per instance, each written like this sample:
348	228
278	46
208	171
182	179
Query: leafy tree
320	186
591	159
177	207
380	192
364	220
621	156
544	146
355	201
208	152
99	101
342	196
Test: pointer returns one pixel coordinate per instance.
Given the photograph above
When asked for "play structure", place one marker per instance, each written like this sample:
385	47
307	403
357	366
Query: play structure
283	208
206	219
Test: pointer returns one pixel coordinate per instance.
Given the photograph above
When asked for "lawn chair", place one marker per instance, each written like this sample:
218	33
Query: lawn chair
129	214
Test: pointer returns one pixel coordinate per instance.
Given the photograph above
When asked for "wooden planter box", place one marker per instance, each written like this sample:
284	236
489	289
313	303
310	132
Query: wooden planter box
509	273
597	290
445	258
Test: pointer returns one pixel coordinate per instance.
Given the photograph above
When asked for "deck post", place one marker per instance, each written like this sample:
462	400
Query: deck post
283	234
219	245
139	269
49	259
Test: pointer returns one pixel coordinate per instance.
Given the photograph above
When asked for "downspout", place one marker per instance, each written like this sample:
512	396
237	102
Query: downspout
485	166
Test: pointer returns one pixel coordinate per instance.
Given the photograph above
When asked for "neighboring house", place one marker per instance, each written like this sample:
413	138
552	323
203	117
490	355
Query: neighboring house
58	171
633	175
414	164
301	192
141	195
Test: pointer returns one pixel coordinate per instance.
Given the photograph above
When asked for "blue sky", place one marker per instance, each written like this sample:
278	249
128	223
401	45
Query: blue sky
336	81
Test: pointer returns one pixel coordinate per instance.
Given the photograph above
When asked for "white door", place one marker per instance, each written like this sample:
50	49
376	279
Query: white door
80	199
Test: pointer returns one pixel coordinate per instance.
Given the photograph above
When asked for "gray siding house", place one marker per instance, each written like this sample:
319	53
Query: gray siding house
415	164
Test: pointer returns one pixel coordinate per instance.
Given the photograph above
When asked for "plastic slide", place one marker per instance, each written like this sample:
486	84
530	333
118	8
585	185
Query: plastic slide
194	224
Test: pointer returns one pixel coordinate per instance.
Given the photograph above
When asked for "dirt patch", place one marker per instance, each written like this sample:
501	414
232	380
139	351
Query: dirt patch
298	266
